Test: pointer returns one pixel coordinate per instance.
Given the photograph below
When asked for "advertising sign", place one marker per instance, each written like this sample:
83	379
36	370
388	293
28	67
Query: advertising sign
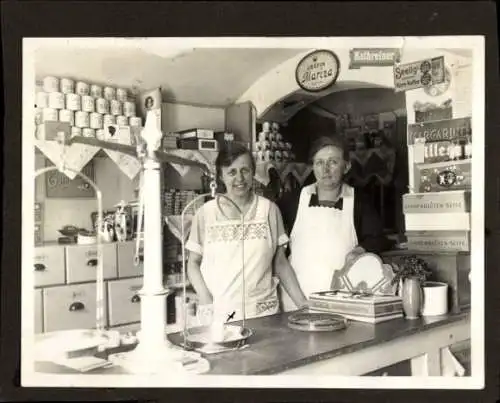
419	74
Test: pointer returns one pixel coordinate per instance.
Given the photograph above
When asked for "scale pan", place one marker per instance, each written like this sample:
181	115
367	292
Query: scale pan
234	336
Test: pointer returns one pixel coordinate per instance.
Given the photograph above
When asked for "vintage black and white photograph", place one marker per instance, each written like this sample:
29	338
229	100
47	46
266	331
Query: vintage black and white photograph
298	212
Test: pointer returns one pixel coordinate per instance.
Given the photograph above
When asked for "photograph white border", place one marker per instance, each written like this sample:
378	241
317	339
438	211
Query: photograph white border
476	381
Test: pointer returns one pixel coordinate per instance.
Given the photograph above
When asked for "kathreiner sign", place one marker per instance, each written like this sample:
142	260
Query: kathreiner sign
318	70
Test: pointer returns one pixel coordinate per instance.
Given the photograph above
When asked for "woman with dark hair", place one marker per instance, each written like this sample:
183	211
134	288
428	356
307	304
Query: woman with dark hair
216	247
331	225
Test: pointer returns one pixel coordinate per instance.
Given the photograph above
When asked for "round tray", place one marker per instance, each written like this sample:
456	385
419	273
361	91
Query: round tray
234	336
317	321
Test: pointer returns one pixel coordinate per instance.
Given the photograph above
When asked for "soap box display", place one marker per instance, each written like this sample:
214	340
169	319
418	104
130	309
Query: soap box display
437	222
444	176
439	202
439	241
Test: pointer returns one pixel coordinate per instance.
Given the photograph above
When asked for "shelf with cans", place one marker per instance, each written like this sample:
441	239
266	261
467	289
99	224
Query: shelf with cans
88	108
438	208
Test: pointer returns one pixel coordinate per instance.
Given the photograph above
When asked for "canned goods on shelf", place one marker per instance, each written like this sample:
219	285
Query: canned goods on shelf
95	120
50	114
88	103
66	115
73	102
96	91
108	119
51	84
56	100
135	121
76	131
42	99
67	86
82	119
109	93
102	106
121	94
115	107
129	109
121	120
82	88
88	132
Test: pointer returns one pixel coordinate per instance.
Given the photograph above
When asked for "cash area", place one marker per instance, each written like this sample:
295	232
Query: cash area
114	298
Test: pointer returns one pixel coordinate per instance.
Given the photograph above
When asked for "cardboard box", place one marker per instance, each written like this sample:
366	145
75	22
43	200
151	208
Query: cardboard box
49	130
439	241
439	202
437	222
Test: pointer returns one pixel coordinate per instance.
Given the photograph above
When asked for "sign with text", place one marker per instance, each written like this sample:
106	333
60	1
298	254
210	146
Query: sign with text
440	130
373	57
423	73
317	71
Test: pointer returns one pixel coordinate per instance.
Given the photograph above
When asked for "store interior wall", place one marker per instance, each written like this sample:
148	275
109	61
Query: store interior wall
114	184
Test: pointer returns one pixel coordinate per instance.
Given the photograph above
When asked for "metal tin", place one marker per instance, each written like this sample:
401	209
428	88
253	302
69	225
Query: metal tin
260	156
121	94
49	114
268	155
135	121
285	155
82	88
263	136
102	106
129	109
67	86
95	120
271	136
266	127
65	115
281	145
100	134
316	321
56	100
122	120
278	156
279	137
42	99
96	91
275	127
265	145
51	84
82	119
109	93
88	103
108	120
73	102
274	145
76	131
87	132
115	107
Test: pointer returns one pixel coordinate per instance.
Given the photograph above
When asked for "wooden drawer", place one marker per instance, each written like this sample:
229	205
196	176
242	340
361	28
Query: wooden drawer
126	266
38	312
70	307
124	302
81	262
49	265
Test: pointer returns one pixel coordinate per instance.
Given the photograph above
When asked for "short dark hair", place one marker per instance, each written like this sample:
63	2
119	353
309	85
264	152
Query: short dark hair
228	153
332	141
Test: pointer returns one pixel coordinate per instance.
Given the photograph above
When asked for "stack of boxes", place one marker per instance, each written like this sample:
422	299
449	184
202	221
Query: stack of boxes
437	215
270	145
81	109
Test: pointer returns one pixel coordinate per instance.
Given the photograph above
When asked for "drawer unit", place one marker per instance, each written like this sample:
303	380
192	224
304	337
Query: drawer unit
49	265
38	312
126	266
124	301
70	307
81	262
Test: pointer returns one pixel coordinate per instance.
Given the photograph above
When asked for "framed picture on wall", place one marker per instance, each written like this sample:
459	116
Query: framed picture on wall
58	185
150	101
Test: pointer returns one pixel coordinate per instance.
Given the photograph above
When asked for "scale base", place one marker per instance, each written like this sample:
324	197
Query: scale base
146	361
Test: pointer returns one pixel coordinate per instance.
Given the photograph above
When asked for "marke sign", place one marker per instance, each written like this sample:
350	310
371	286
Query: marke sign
374	57
419	74
441	130
317	71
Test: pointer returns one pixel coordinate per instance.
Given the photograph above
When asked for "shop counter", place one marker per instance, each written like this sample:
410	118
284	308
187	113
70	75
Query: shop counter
358	350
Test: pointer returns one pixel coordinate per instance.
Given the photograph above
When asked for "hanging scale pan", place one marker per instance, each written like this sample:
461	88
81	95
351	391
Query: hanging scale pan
316	321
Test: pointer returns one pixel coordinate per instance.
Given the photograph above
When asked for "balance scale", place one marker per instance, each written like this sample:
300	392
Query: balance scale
154	354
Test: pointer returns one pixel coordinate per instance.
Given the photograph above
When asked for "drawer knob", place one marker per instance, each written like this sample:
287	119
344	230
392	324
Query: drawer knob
135	299
92	262
39	267
76	306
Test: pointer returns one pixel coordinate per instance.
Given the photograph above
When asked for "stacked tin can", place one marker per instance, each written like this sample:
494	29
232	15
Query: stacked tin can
88	108
270	145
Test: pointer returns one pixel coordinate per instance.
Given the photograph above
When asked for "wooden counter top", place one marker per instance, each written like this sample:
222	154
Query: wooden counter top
275	347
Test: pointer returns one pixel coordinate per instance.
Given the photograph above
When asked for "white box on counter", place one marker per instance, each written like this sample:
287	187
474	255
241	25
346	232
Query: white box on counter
454	201
439	241
437	222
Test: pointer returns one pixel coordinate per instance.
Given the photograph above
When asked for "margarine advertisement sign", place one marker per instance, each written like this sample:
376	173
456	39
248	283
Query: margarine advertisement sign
373	57
317	71
419	74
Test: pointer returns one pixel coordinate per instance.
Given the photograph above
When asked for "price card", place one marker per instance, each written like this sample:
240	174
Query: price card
75	156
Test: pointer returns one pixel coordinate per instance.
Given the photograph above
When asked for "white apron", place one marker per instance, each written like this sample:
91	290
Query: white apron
221	265
320	240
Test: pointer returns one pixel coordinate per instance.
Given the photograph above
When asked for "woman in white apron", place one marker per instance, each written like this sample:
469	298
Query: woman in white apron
217	251
331	226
